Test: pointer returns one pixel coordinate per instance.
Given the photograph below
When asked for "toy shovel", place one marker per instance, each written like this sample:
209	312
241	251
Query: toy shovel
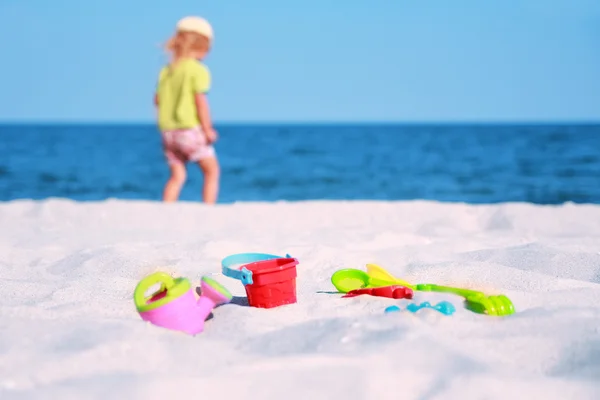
391	292
475	301
346	280
377	273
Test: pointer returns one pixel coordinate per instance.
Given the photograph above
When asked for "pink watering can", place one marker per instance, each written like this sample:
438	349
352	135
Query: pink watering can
174	305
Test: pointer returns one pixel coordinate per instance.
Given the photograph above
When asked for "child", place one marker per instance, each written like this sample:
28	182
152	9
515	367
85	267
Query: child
183	112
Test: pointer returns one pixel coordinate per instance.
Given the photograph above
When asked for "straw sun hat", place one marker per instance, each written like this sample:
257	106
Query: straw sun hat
195	24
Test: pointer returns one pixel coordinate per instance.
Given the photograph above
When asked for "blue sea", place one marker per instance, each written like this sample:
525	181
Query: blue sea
544	164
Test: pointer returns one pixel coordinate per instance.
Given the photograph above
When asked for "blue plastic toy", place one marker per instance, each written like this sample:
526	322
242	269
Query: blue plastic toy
244	274
444	307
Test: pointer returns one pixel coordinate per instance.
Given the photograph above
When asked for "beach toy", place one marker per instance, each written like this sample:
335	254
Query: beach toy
377	273
346	280
269	280
392	292
495	305
174	305
444	307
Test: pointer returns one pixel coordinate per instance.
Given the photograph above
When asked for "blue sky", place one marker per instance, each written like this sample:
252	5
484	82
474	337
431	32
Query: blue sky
310	60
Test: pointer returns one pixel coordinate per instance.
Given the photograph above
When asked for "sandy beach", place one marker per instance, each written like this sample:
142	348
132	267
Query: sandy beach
69	328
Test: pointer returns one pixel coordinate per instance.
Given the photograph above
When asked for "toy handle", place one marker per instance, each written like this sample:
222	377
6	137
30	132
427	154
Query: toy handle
377	282
427	287
139	295
244	274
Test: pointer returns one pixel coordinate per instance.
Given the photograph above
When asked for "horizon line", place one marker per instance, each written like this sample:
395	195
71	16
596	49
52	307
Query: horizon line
313	122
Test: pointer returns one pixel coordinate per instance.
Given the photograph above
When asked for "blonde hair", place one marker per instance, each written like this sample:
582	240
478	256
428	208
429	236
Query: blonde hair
185	42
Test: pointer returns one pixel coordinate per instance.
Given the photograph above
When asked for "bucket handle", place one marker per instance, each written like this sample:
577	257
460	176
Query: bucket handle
244	274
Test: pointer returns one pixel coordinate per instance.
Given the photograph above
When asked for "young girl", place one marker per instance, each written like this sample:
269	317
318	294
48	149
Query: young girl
183	112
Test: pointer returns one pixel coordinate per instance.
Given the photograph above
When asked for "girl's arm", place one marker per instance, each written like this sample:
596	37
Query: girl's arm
204	115
203	111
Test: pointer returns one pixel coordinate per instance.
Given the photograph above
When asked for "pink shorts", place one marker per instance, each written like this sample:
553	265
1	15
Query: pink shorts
181	146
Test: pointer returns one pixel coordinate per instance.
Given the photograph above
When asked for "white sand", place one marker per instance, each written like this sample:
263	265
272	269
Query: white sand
69	329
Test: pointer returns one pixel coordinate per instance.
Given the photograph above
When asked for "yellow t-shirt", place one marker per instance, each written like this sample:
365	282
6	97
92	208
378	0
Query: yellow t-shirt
176	90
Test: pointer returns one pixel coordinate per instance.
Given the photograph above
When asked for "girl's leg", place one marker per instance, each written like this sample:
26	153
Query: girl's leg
210	168
175	182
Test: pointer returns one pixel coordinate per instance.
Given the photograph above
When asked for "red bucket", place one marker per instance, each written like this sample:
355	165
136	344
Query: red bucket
273	283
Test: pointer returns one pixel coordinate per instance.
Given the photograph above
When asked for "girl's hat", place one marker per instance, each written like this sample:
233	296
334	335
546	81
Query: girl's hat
195	24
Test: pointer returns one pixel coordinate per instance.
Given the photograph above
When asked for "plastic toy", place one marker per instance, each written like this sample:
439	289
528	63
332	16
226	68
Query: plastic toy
346	280
378	273
444	307
174	306
496	305
269	280
392	292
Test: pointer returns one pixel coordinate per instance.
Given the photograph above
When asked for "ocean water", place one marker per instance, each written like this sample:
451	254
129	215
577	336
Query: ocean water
544	164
